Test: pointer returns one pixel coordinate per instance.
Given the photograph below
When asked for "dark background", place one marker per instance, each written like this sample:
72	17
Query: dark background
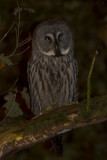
88	21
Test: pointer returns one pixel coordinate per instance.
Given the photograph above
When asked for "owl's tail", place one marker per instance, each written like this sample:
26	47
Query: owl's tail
57	145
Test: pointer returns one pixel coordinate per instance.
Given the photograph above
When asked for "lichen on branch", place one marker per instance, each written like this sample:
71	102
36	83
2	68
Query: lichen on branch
17	134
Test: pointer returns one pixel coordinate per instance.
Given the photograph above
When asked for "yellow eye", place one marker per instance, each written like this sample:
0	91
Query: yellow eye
48	38
60	37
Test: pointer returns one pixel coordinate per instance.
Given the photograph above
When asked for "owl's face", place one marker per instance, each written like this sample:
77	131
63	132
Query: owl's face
53	39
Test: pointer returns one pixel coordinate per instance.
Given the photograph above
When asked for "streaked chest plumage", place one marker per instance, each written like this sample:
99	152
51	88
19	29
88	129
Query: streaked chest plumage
54	83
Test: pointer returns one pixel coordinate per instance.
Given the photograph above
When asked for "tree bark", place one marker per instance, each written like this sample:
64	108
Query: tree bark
17	134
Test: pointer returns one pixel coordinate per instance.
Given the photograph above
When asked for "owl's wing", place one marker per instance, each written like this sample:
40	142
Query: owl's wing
31	73
75	70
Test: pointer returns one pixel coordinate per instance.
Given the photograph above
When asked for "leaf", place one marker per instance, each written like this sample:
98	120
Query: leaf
2	65
6	60
25	96
12	107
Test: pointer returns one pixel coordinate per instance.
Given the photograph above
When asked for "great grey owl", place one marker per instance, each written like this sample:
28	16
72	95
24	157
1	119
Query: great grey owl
52	69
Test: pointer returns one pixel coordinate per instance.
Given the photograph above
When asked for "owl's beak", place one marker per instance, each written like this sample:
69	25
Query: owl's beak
56	46
57	50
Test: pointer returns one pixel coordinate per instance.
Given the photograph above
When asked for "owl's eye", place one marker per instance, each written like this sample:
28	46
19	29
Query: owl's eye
47	38
60	37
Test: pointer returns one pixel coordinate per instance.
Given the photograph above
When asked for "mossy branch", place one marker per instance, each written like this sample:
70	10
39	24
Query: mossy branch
17	134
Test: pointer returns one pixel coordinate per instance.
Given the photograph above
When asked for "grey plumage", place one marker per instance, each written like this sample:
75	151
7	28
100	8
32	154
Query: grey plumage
52	79
52	83
52	69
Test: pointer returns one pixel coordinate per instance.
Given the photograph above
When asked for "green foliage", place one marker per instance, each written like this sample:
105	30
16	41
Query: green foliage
25	96
6	60
12	107
93	110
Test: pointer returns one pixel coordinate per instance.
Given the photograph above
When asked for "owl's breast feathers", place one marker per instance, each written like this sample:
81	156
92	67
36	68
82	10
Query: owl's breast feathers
52	82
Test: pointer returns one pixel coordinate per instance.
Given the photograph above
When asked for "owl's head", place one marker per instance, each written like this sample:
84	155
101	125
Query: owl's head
53	38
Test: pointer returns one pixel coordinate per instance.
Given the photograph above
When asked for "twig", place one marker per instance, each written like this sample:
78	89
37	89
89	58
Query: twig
89	78
7	32
22	51
30	10
24	42
17	32
16	44
17	37
13	85
18	25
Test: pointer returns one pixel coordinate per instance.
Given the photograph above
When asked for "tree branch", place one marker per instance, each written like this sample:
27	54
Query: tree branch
17	134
